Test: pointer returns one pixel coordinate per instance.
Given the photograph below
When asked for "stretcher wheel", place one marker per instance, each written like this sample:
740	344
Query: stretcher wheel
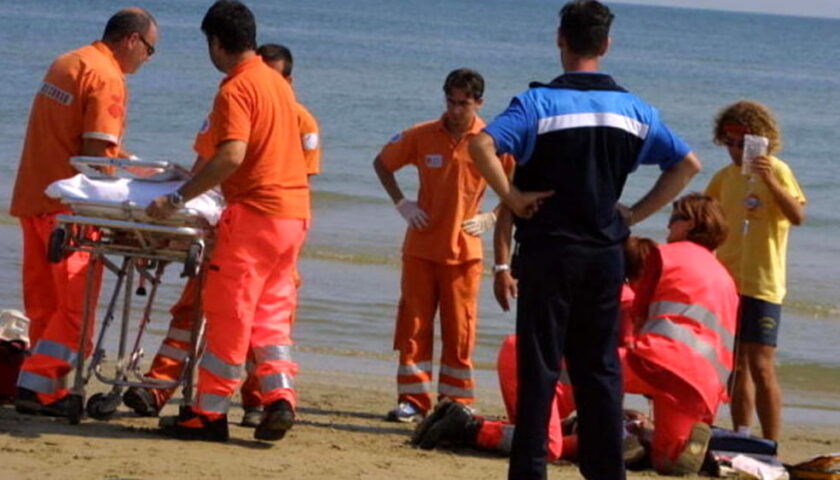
195	255
55	249
101	406
75	408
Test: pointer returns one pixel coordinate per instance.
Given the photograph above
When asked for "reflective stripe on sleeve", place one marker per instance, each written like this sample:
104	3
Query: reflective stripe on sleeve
214	365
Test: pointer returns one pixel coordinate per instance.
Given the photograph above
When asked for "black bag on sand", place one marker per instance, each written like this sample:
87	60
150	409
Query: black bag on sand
12	355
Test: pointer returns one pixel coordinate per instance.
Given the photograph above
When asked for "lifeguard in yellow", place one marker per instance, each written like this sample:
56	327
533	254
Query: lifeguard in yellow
442	250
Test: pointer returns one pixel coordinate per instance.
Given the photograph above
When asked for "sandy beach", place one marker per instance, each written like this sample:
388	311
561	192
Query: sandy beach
340	435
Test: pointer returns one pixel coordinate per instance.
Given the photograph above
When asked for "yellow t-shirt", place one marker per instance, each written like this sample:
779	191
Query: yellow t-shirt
755	252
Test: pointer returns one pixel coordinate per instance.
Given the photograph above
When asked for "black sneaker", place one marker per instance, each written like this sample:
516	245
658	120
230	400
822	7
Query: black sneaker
277	419
142	401
251	417
189	425
458	426
27	403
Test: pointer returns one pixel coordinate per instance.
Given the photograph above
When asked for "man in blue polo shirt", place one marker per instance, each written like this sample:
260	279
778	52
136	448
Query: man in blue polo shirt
576	140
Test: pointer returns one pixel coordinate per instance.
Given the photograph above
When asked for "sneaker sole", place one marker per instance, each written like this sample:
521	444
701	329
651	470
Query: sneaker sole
274	426
691	459
136	402
28	407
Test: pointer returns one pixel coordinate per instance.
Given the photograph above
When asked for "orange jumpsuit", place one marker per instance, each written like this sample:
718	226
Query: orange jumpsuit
681	354
249	295
83	96
441	264
172	354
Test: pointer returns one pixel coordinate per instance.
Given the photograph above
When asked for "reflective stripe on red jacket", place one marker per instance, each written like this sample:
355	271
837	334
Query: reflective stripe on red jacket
691	313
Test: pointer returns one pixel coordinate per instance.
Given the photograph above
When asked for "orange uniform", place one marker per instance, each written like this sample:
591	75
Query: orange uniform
441	263
249	295
310	139
683	349
170	358
83	96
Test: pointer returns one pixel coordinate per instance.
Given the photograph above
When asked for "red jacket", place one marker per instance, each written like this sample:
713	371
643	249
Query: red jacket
690	308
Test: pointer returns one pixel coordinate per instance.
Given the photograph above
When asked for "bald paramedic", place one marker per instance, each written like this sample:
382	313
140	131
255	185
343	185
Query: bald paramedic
79	109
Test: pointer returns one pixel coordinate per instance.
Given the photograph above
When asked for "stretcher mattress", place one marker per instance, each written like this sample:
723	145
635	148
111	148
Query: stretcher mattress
137	193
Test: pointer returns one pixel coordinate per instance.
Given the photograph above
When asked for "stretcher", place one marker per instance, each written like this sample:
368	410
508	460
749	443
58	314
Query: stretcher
108	220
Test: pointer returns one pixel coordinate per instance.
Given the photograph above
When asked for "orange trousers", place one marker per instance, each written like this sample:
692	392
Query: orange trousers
427	286
676	407
249	297
172	354
498	435
53	297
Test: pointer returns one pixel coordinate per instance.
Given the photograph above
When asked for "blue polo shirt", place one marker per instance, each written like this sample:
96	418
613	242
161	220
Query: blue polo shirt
581	135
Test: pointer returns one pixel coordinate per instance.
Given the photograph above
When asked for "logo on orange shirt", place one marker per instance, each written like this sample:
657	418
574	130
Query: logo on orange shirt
434	161
116	110
205	126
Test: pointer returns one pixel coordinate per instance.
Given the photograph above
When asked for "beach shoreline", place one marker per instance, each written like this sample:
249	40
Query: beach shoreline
340	434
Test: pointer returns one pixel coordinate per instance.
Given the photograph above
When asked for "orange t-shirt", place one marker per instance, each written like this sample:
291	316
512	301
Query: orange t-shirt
451	189
83	95
257	106
310	140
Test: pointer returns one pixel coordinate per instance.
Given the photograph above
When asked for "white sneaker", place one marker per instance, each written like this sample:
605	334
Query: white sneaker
405	412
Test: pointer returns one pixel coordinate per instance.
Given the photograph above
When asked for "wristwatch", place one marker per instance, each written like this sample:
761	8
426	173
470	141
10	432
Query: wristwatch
175	199
501	268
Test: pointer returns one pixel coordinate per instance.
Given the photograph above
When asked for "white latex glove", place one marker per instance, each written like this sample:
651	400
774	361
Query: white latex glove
412	213
479	223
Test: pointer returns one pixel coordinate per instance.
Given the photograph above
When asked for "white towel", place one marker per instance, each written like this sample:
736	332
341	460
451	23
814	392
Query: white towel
139	192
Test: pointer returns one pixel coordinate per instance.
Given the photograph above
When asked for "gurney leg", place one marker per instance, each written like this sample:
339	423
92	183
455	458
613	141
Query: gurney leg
77	394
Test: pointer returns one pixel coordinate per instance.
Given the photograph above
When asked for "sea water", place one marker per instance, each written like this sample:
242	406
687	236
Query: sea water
368	69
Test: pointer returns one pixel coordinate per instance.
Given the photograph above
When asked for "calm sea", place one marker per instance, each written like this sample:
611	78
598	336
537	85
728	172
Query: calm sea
369	68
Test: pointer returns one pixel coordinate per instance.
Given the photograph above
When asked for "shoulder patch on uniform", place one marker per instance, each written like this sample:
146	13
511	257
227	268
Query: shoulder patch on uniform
54	93
205	126
396	138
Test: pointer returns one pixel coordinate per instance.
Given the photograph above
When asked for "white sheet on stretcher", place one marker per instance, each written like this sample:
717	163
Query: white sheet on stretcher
208	204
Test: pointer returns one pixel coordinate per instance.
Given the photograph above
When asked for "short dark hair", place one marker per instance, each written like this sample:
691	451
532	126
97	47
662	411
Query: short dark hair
273	52
233	24
585	25
710	227
466	79
127	21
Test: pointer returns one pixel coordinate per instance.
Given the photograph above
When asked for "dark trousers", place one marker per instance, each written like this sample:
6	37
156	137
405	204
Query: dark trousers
569	306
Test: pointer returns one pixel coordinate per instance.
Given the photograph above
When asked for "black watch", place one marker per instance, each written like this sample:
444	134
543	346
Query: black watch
175	199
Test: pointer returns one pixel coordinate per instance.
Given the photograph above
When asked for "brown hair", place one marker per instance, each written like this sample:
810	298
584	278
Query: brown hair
710	228
636	250
755	117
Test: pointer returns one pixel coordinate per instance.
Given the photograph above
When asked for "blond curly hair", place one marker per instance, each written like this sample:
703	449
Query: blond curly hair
755	117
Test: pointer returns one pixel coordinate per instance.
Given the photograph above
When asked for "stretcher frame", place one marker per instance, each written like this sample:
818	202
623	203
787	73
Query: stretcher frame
146	246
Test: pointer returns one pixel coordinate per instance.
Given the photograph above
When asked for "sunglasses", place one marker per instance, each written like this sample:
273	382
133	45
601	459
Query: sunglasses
150	49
